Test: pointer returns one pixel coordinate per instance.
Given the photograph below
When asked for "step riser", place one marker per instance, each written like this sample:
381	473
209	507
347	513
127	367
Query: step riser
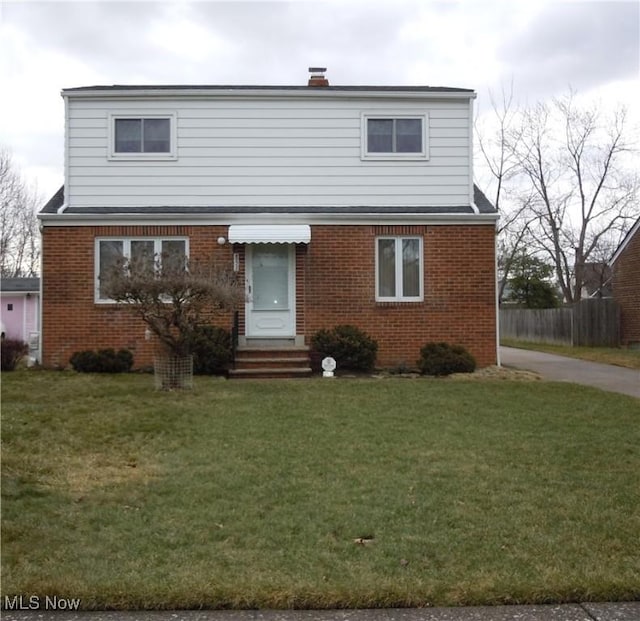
272	353
273	363
269	374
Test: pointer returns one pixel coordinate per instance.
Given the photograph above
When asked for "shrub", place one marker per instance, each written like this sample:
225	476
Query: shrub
444	359
352	348
12	351
102	361
211	349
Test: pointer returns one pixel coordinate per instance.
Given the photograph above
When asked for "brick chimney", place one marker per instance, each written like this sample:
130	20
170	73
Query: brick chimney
317	76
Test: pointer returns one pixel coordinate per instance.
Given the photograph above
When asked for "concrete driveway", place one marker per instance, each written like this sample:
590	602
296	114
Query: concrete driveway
562	369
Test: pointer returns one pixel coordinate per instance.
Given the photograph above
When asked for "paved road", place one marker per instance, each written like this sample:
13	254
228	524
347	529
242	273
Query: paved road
626	611
562	369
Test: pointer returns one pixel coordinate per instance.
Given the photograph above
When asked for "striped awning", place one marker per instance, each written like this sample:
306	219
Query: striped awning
269	234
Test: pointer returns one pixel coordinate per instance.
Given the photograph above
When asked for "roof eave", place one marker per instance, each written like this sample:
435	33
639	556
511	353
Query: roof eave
301	217
269	92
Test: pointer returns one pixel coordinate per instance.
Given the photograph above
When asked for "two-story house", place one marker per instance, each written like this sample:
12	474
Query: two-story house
335	204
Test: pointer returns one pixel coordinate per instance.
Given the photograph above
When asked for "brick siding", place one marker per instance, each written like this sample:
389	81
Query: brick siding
459	290
334	285
626	291
71	320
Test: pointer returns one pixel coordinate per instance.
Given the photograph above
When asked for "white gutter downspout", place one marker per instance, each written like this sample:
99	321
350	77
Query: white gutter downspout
495	252
65	202
40	304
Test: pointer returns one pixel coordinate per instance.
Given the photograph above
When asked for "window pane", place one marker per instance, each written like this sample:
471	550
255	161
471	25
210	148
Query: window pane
380	135
386	268
142	257
409	135
128	135
270	265
173	255
110	253
410	268
156	135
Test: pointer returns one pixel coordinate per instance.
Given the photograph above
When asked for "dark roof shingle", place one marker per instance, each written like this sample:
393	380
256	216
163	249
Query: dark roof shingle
20	285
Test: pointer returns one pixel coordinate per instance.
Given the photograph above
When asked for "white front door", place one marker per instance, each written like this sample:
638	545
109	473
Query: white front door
270	309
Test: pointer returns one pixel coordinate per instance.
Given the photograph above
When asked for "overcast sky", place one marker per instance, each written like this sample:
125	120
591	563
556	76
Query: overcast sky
543	47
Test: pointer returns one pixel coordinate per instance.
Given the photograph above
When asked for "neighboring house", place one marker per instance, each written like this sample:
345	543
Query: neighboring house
335	204
625	264
20	310
597	280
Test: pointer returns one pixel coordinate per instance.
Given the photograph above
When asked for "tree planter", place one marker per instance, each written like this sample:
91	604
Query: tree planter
173	372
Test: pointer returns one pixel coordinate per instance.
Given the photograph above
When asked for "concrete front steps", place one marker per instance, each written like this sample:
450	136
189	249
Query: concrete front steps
271	359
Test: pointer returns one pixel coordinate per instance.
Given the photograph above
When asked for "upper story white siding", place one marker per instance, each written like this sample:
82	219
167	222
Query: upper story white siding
267	149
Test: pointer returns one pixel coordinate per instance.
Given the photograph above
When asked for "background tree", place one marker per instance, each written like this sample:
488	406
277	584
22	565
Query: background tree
501	164
530	283
19	231
571	164
570	187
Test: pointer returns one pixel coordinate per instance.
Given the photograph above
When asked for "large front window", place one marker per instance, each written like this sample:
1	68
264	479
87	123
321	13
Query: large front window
399	269
144	253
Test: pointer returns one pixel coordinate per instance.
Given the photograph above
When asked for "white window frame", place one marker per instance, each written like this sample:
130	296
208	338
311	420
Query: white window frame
386	115
172	154
126	251
398	297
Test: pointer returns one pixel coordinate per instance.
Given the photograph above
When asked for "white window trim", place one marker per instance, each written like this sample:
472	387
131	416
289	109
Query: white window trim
399	297
383	114
126	249
172	154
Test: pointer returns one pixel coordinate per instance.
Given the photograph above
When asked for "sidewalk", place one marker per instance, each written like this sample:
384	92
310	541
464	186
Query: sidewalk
563	369
624	611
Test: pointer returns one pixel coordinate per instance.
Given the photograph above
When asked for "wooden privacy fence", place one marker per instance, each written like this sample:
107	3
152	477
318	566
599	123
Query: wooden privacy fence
592	323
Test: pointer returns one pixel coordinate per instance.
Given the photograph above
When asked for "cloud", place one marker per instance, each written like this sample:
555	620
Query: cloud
582	44
544	46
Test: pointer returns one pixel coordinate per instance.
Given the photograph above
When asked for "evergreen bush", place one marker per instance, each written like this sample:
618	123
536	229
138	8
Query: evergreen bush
102	361
352	348
211	350
445	359
12	351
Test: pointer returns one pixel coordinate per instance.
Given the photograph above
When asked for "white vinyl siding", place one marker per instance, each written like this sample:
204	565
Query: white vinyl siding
271	152
109	251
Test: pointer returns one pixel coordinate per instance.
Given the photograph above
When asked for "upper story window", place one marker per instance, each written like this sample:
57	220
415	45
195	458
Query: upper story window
399	269
142	136
394	136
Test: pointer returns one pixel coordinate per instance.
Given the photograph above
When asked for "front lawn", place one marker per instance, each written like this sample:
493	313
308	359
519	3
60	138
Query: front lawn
317	493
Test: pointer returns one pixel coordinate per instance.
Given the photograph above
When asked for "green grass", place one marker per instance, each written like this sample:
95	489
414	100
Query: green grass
252	494
629	358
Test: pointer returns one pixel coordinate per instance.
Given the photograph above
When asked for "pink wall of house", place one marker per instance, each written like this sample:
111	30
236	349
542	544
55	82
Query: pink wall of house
19	314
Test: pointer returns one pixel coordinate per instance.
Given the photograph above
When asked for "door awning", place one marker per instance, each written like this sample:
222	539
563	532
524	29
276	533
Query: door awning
269	234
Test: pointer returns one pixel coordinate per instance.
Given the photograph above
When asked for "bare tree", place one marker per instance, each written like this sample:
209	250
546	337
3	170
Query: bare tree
172	295
19	232
502	164
570	166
